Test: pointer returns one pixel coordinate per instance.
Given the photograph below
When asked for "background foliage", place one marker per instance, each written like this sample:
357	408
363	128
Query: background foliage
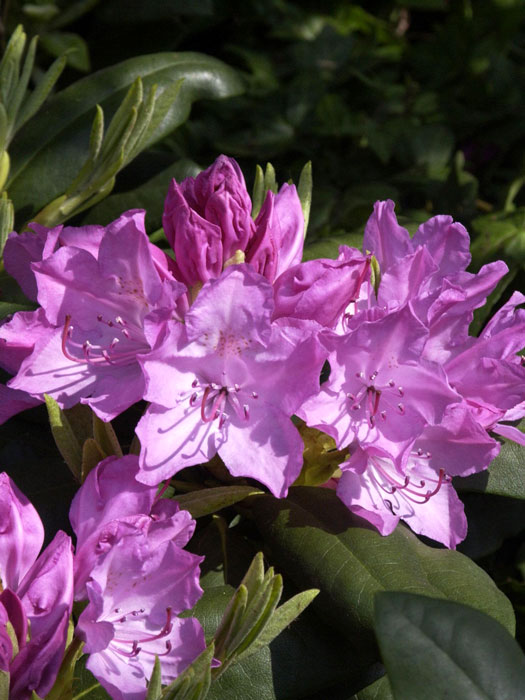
422	101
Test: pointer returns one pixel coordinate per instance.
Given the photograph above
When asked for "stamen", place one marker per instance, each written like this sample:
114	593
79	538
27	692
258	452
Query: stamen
401	408
401	391
135	649
168	626
255	395
246	410
391	383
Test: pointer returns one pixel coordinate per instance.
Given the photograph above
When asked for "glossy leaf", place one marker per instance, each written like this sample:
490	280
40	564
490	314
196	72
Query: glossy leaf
206	501
504	477
48	150
281	618
317	542
149	196
435	649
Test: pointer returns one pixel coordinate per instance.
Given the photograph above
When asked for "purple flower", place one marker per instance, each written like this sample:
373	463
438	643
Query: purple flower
447	242
37	595
421	494
110	504
207	219
135	593
321	290
380	393
227	381
39	243
92	322
490	375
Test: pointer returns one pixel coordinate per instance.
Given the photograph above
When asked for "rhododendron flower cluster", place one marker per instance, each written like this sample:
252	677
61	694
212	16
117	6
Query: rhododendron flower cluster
228	340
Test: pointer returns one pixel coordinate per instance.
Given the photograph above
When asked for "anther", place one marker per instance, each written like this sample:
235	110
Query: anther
401	391
401	408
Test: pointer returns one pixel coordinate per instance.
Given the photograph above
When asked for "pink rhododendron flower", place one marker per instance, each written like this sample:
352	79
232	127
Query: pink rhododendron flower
37	595
488	372
91	324
228	381
207	219
421	494
321	290
380	393
110	504
135	593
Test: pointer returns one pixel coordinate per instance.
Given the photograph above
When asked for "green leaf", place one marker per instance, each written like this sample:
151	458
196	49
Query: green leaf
149	196
304	190
91	456
154	685
65	439
106	437
378	690
37	98
206	501
85	685
6	226
4	685
504	477
194	682
259	192
75	48
47	151
279	621
317	542
435	649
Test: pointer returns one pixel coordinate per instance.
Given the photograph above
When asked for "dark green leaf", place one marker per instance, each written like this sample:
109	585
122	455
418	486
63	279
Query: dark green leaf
206	501
48	149
504	477
75	48
149	196
378	690
317	542
435	649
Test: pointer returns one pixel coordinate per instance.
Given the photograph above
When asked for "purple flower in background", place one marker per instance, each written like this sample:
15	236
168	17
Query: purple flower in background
86	337
110	504
228	381
207	219
135	593
37	595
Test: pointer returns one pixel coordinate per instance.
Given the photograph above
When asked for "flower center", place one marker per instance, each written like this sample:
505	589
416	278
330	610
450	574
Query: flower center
418	491
135	648
368	397
218	401
121	350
